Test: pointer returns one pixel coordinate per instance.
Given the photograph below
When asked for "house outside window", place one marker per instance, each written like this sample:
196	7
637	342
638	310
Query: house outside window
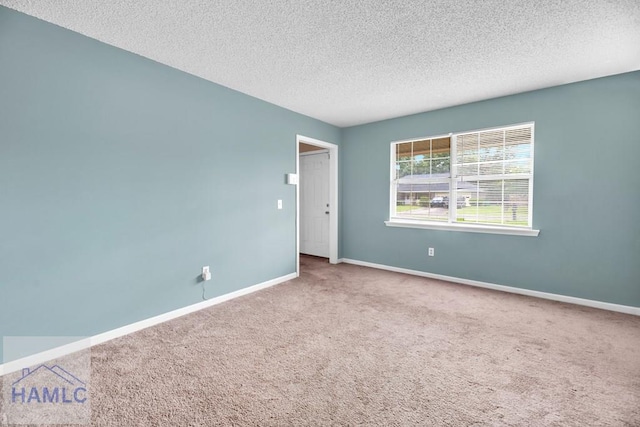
481	180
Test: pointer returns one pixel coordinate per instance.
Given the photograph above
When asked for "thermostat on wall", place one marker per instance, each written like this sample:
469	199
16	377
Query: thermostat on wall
292	178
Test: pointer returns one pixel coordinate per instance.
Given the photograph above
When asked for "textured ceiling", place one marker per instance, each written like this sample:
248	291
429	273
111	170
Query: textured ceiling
356	61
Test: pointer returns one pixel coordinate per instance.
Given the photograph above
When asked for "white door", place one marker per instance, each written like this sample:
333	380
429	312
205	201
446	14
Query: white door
314	204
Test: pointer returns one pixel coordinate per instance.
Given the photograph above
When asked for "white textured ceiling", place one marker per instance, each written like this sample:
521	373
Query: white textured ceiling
356	61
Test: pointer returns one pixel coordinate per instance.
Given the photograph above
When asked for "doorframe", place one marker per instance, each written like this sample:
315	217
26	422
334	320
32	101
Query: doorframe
333	197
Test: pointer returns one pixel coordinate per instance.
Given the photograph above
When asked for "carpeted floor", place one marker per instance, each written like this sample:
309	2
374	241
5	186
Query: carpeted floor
349	345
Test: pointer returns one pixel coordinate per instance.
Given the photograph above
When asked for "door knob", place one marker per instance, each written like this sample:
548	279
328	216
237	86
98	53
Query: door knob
327	212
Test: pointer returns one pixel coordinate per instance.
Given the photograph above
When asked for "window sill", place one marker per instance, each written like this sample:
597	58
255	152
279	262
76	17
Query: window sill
407	223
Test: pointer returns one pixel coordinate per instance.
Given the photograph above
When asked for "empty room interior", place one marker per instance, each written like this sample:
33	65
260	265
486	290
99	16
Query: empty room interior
320	213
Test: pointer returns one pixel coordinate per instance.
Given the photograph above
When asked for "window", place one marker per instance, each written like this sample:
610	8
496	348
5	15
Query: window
480	180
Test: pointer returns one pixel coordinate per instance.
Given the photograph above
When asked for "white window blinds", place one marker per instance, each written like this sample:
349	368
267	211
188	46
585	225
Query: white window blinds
495	167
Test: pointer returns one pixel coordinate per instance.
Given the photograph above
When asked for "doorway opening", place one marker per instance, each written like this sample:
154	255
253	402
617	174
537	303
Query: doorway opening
316	199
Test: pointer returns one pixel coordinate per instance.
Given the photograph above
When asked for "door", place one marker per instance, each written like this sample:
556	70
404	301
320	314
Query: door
314	204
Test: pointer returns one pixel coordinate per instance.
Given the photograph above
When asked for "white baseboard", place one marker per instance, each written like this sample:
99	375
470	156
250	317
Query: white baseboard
57	352
545	295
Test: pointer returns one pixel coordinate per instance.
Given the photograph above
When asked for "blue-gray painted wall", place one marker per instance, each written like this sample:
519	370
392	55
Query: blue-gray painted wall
121	177
586	194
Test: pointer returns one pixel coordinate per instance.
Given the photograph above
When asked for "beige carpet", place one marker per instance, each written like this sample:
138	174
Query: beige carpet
348	345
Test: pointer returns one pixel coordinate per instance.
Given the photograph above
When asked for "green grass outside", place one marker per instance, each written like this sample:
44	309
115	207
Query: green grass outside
487	214
492	215
405	208
419	212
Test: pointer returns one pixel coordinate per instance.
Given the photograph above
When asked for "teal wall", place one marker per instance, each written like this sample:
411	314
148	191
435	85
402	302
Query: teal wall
586	194
120	178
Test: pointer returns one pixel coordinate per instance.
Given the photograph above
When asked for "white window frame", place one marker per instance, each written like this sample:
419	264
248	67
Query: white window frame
451	224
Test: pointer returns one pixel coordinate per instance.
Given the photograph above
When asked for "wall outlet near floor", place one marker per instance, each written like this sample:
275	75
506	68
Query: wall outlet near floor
432	252
206	273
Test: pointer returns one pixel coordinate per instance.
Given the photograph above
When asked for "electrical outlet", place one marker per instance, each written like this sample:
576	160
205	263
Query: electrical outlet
432	252
279	204
206	273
